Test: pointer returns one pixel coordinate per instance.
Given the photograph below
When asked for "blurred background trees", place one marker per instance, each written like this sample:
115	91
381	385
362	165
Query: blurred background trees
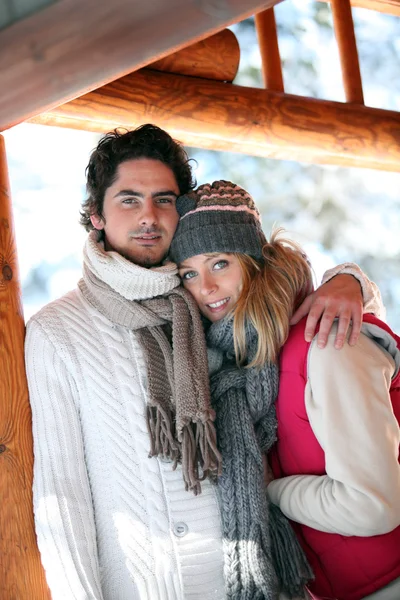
337	214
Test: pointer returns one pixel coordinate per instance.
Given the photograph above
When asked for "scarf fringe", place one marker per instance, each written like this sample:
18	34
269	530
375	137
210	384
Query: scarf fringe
197	446
289	559
263	575
190	466
160	427
209	456
199	449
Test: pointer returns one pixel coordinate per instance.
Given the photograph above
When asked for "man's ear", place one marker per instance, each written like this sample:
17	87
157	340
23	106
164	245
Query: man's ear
97	222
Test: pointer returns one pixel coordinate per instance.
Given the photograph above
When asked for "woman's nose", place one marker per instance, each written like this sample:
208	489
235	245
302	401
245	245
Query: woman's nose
208	285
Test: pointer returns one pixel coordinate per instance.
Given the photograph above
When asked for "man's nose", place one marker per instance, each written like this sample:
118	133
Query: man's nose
148	215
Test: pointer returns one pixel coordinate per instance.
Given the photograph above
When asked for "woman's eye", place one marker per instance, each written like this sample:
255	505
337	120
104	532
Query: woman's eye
188	275
221	264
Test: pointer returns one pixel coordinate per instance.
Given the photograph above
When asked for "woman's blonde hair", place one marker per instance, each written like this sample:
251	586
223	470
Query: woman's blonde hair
273	288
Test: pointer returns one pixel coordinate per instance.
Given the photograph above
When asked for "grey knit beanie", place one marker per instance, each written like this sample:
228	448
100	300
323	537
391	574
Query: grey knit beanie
217	217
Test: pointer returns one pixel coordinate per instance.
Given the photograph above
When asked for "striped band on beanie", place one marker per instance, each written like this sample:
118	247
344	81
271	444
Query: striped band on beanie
217	217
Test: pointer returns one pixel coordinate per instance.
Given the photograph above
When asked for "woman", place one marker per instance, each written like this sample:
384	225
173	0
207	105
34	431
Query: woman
338	438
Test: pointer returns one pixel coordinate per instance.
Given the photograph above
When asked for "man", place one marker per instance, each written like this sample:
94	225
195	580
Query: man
108	387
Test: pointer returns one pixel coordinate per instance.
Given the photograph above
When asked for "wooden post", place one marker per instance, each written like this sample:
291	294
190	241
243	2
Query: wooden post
21	574
346	39
269	49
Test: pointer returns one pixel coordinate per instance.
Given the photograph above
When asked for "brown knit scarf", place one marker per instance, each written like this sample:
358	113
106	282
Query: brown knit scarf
179	414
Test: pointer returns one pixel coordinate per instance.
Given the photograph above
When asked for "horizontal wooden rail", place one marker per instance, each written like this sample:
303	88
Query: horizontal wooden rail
210	114
75	46
390	7
217	57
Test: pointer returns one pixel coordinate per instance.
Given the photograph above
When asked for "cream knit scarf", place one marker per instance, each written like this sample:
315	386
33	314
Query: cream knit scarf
150	302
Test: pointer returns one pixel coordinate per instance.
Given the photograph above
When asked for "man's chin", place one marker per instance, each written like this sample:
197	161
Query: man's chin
147	260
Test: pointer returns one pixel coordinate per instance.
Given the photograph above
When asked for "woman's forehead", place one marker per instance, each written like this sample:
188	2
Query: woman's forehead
203	258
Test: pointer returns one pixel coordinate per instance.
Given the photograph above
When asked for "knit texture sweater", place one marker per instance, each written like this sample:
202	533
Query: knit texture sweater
112	523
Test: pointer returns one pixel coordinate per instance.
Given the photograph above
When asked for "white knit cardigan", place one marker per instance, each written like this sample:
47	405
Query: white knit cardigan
112	524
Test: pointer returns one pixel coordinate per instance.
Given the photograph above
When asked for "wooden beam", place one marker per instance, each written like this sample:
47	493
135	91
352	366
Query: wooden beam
21	573
210	114
269	49
75	46
217	57
389	7
346	39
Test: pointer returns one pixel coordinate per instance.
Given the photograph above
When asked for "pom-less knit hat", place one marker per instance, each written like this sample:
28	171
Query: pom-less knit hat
217	217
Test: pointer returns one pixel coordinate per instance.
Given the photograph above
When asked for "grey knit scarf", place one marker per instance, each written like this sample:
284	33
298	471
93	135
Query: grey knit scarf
262	555
179	413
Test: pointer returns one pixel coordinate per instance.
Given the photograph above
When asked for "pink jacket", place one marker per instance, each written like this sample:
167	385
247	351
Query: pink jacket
347	568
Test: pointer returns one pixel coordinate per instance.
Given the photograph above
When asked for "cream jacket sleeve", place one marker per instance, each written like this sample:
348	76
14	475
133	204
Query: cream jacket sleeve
370	291
350	412
64	518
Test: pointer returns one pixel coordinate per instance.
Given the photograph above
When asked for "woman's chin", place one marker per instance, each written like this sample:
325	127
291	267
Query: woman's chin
214	316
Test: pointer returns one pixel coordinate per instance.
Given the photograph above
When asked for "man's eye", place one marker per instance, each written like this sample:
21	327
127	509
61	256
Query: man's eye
188	275
164	201
128	201
221	264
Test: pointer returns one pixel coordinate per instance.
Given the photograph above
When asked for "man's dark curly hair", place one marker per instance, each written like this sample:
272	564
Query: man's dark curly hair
147	141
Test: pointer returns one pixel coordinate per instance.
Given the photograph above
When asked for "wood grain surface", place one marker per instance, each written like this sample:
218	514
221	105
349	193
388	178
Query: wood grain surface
223	116
390	7
269	49
21	574
75	46
346	40
217	57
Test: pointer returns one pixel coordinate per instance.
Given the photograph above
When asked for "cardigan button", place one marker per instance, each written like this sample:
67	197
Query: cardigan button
180	529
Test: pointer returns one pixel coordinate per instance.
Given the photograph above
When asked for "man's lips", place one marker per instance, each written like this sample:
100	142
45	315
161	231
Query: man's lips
147	239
